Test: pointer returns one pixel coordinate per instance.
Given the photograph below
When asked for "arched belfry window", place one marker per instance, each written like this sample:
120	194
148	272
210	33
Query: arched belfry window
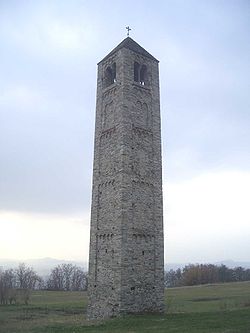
110	75
136	71
114	72
140	73
143	74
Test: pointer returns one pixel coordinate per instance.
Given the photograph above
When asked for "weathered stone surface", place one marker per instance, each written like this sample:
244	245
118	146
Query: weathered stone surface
126	237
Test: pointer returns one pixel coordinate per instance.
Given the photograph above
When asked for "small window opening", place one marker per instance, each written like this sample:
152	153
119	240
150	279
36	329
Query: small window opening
114	72
140	73
106	251
110	75
143	253
143	73
136	71
132	288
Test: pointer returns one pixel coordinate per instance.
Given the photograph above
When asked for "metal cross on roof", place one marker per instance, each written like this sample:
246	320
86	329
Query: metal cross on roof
128	28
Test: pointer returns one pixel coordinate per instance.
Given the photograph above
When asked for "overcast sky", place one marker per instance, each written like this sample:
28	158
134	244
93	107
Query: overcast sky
48	55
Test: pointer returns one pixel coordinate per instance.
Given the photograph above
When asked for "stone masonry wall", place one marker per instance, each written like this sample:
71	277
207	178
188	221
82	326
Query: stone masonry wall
126	240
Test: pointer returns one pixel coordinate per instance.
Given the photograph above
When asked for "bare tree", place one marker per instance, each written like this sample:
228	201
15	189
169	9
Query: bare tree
26	277
7	286
26	280
67	277
55	281
79	279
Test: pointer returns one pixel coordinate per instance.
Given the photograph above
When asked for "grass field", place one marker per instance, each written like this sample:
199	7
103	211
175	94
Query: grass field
222	308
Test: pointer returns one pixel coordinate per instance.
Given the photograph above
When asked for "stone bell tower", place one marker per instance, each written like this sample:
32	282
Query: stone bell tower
126	268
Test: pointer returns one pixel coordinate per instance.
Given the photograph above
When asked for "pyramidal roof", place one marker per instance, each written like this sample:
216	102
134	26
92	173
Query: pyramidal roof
130	44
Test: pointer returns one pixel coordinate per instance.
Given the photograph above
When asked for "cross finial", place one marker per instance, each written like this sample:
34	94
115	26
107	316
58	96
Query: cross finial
128	28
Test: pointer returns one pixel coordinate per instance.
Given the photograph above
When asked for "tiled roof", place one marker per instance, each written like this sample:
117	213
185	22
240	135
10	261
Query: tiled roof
130	44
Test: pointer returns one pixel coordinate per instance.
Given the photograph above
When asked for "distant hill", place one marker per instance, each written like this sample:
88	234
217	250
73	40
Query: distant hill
42	266
233	264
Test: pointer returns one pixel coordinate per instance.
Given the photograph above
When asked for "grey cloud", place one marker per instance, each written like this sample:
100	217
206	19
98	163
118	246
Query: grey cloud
46	149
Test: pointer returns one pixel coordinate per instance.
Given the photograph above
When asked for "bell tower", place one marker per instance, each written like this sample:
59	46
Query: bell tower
126	258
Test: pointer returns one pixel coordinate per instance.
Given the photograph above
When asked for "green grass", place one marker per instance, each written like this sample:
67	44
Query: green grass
222	308
215	297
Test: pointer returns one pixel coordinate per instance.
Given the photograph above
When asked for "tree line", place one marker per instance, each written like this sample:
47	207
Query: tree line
16	284
197	274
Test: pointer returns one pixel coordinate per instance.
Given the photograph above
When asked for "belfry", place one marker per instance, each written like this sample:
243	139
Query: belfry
126	258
